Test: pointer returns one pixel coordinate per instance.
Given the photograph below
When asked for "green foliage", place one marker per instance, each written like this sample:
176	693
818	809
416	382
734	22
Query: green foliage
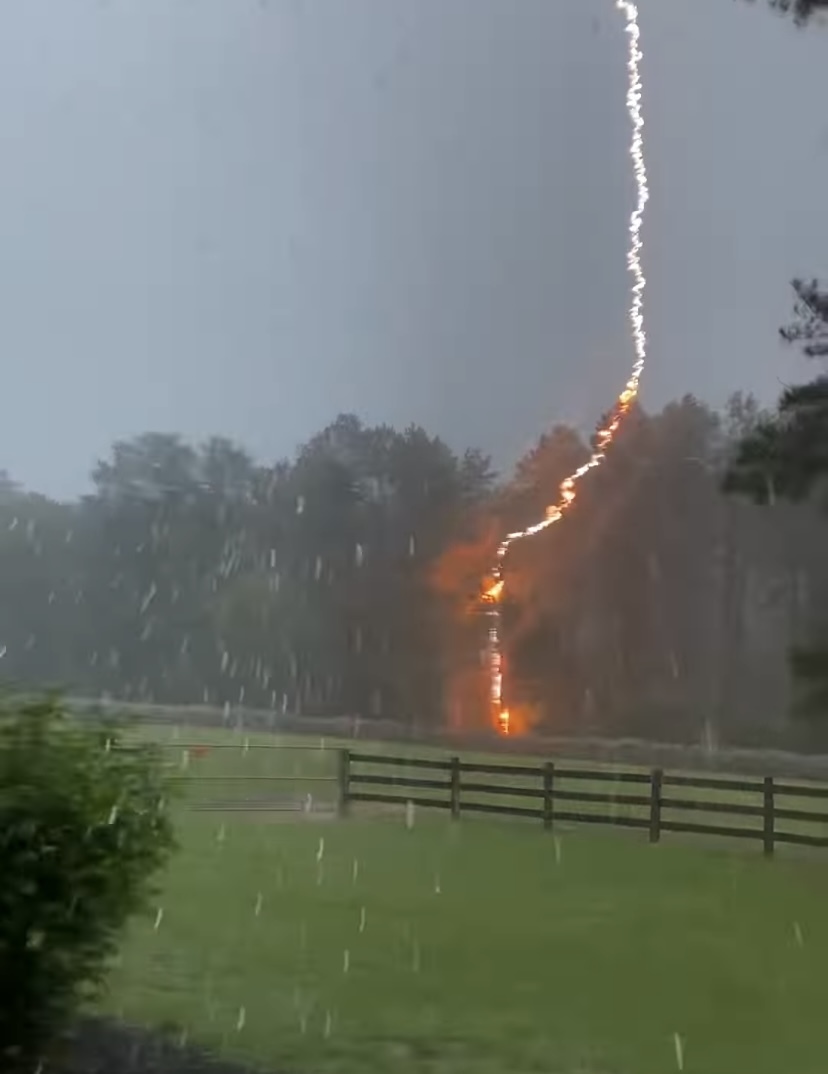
786	454
83	830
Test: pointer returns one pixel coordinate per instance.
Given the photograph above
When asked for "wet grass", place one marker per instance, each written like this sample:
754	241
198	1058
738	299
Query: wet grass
482	946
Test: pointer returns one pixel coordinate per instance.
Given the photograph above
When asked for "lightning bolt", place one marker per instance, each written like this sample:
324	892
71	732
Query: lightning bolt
567	491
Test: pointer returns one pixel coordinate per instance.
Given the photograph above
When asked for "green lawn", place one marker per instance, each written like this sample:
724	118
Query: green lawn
490	947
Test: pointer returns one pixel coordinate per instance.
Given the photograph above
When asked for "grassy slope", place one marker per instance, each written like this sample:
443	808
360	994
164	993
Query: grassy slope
521	963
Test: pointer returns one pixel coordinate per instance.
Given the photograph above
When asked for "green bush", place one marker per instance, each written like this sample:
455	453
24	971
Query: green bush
84	828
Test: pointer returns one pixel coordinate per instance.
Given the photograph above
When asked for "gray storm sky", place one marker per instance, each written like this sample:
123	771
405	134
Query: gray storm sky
244	216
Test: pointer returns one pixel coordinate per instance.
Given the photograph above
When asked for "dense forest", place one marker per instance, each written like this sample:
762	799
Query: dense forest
347	580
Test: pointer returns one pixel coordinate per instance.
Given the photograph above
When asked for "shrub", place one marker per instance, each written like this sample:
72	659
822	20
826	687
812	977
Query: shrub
83	831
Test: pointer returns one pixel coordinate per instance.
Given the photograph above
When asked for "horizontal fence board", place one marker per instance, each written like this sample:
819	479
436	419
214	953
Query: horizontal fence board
600	796
252	779
801	839
598	775
502	810
701	806
714	783
250	747
494	788
401	762
793	791
805	815
710	829
400	781
534	771
396	799
602	818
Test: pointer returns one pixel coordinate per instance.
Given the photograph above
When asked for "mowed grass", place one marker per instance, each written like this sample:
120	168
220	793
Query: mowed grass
480	946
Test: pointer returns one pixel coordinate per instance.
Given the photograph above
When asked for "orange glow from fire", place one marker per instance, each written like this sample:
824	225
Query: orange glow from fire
492	594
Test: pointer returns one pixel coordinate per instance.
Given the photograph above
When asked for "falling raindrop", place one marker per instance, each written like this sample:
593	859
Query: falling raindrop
258	908
437	888
346	960
355	871
328	1024
409	814
362	919
320	849
159	917
148	598
679	1047
242	1018
558	849
359	555
800	942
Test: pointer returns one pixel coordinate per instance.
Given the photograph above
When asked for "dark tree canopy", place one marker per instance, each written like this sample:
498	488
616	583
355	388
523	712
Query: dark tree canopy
801	10
810	325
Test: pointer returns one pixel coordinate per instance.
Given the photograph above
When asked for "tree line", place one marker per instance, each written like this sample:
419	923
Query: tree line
193	574
347	580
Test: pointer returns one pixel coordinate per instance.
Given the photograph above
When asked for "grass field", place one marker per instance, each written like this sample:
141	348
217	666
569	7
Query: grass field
492	947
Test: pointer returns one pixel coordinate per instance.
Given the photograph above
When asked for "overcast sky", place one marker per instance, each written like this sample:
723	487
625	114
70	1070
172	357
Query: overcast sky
245	216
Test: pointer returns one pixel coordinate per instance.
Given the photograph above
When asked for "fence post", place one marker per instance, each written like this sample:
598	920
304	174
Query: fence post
548	788
454	800
656	778
344	781
768	817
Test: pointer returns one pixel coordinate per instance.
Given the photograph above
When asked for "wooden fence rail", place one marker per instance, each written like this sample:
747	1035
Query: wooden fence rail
663	802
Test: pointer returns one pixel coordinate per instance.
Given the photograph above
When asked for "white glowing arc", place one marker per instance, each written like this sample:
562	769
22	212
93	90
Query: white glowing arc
629	393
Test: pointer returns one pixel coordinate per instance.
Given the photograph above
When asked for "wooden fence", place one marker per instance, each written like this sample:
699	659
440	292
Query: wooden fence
657	801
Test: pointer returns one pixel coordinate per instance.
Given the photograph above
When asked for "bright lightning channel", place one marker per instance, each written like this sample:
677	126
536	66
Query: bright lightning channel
604	437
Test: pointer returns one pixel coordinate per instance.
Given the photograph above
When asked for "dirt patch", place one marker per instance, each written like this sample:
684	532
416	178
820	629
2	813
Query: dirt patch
96	1046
